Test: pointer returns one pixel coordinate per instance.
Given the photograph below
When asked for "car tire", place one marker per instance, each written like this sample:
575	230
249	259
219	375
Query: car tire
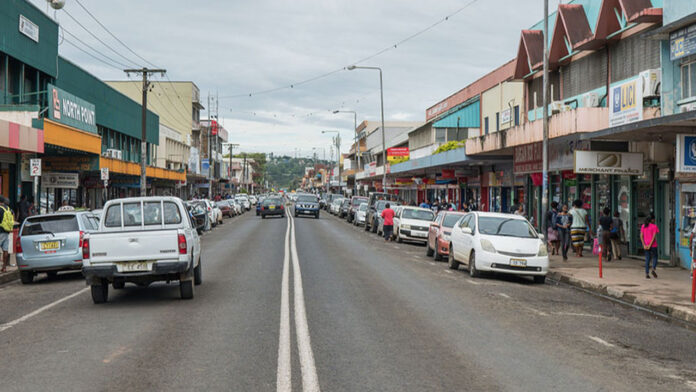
263	216
473	272
198	272
438	256
428	250
100	292
186	289
316	216
51	275
367	228
540	279
453	263
26	277
374	227
398	238
118	285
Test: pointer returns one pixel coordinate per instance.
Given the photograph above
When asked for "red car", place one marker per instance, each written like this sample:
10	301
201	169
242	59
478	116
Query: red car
439	234
225	208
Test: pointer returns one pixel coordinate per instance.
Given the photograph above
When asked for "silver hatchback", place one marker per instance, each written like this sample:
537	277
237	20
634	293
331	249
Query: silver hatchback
53	242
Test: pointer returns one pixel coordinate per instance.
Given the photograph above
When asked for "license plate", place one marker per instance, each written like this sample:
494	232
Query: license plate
134	266
49	245
418	234
518	262
271	208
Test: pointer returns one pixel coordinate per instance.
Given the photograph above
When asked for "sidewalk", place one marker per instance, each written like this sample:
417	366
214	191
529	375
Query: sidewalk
625	279
12	272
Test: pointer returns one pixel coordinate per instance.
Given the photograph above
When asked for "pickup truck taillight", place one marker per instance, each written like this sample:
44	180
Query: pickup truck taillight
182	244
82	236
18	245
85	248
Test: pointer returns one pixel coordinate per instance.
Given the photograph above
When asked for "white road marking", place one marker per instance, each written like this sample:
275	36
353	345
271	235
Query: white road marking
27	316
284	374
472	282
310	381
449	271
503	295
579	314
601	341
535	311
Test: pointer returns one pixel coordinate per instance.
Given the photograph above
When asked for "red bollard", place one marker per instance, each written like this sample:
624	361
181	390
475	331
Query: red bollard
600	261
693	284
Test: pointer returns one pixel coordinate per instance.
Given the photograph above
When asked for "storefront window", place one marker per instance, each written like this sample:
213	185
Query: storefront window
603	191
688	215
556	189
623	206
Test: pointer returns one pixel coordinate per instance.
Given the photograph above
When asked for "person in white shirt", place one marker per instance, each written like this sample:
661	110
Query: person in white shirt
66	207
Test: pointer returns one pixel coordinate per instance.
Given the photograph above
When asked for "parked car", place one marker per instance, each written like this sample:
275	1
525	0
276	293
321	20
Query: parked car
199	216
355	202
225	208
252	199
360	215
239	210
374	213
413	224
504	243
53	242
273	206
330	198
244	201
142	240
440	232
336	205
343	208
306	204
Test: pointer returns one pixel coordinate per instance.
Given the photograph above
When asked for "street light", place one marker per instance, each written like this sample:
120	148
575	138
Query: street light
384	145
337	140
357	140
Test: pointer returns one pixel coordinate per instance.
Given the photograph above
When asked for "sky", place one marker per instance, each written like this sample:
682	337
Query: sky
231	48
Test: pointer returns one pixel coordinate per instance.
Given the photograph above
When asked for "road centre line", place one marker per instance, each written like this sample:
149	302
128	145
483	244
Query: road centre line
601	341
310	381
284	374
27	316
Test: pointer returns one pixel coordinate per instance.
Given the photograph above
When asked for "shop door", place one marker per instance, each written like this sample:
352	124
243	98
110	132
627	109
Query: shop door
644	202
483	206
665	218
505	199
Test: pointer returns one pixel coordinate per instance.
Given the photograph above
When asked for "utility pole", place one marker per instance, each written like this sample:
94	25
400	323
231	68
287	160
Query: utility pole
244	174
210	161
545	143
143	143
338	160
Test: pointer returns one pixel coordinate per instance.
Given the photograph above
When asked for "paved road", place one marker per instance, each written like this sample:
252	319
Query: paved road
309	304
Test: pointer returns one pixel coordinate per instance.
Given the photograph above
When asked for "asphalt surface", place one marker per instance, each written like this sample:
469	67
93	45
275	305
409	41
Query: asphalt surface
379	317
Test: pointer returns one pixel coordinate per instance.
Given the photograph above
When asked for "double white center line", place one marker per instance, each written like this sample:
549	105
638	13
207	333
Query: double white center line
310	381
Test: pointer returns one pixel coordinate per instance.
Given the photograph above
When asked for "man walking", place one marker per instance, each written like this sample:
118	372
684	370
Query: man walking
6	226
388	226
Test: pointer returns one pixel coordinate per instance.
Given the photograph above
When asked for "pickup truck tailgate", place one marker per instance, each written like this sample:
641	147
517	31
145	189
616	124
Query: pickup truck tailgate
146	245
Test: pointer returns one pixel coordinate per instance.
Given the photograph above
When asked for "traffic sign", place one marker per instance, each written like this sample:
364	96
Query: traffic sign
105	173
35	167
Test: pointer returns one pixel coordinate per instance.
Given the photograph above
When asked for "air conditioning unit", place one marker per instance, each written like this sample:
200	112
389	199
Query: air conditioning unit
119	154
110	153
652	79
590	100
557	107
687	107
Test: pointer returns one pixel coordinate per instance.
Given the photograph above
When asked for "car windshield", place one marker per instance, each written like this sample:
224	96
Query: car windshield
418	214
272	201
363	207
382	204
451	220
357	202
50	225
307	199
507	227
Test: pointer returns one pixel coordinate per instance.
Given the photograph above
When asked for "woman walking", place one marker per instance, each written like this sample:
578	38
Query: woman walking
551	229
578	228
648	236
563	223
617	235
604	232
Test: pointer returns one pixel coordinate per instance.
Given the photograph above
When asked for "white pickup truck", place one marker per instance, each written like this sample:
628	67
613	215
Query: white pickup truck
142	240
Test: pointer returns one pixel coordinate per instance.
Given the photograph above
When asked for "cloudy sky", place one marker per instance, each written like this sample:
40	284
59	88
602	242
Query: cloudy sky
234	47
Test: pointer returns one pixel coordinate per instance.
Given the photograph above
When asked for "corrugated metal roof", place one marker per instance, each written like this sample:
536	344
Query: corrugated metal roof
468	116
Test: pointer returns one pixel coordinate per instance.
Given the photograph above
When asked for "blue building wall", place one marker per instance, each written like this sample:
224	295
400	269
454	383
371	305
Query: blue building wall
468	116
674	10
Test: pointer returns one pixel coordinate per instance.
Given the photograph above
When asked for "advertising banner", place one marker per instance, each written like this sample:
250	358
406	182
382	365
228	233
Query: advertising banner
60	180
686	154
682	43
70	110
626	102
607	162
397	154
527	159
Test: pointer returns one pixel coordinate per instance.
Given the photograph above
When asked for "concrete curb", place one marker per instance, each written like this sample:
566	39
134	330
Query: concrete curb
667	309
9	276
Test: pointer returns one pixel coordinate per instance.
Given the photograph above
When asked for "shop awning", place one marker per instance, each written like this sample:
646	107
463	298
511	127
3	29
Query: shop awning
468	116
64	136
659	129
21	138
133	169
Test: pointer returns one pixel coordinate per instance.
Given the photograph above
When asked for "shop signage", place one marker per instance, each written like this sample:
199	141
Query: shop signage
35	169
25	167
447	173
397	154
75	163
505	116
28	28
626	102
104	173
682	43
562	154
205	167
70	110
527	158
473	181
60	180
372	169
606	162
686	154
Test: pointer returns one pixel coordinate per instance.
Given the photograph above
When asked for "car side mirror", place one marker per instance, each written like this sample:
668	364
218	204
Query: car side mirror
467	230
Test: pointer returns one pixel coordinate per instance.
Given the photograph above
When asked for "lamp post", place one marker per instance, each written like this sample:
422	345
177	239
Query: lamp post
384	145
357	141
337	143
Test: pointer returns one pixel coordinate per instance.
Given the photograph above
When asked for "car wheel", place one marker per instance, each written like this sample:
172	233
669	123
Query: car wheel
367	228
473	272
438	256
428	250
100	292
118	285
398	238
540	279
316	216
453	263
263	216
186	289
374	227
26	277
198	273
51	275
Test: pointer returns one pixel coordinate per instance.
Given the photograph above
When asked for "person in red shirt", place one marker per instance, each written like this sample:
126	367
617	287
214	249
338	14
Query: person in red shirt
388	226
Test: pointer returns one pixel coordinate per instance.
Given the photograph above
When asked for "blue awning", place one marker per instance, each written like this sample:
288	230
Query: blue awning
468	116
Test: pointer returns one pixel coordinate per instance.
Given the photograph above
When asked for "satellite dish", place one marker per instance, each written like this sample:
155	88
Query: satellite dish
56	4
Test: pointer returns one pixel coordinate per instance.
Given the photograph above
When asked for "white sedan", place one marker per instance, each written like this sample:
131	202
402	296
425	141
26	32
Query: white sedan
412	224
504	243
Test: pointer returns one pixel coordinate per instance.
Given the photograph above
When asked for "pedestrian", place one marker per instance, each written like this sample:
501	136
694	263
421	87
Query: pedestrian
465	207
578	228
425	204
520	210
563	223
604	232
388	226
648	237
6	225
515	206
692	246
551	229
23	209
617	235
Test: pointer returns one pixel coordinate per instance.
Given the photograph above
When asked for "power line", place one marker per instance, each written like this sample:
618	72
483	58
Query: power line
378	53
93	49
90	54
